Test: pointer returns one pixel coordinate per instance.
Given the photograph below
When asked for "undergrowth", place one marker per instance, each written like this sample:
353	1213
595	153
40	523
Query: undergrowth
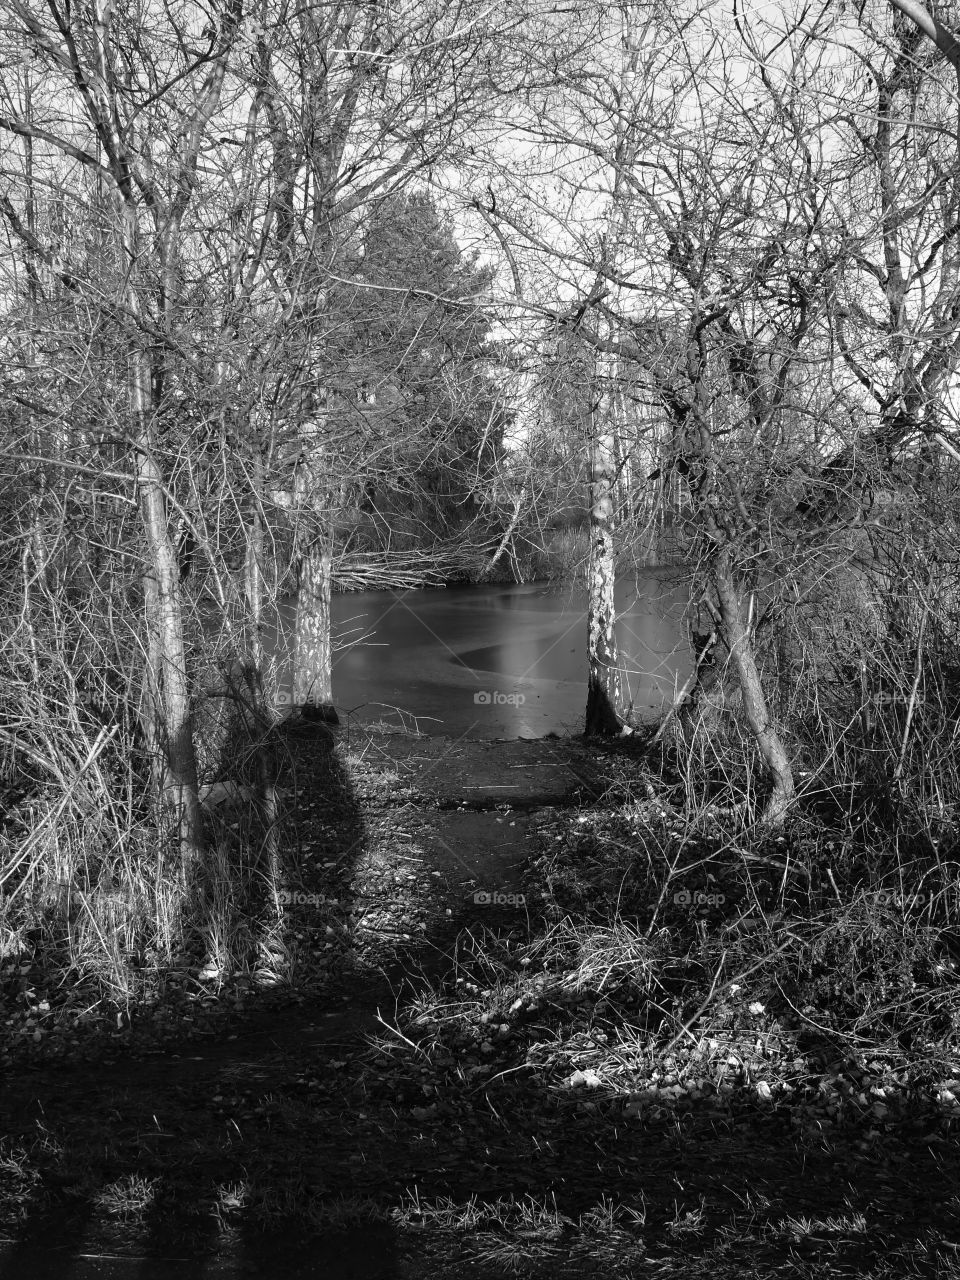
699	954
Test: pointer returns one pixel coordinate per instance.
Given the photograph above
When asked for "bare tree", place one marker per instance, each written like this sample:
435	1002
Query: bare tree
351	104
130	118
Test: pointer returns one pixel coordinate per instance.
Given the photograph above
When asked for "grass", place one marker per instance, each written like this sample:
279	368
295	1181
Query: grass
694	1031
526	1235
801	977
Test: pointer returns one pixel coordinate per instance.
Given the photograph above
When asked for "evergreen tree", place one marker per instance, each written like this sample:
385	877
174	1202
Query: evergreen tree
415	397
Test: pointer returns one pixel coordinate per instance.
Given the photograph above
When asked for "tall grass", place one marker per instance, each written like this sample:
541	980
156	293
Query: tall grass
92	887
83	878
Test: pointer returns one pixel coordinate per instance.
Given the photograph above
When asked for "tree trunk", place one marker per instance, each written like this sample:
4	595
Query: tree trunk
171	718
604	690
740	644
508	532
931	26
312	665
263	707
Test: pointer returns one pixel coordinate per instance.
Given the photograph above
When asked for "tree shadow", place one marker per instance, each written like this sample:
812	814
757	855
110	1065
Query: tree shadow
300	1182
299	1149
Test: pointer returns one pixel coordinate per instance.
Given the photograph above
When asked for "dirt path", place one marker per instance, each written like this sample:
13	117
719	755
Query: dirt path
397	838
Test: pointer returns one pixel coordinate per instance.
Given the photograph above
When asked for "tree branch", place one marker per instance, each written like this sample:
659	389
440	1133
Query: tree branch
932	27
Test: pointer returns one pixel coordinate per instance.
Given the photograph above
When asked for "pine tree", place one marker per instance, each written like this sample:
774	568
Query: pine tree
418	406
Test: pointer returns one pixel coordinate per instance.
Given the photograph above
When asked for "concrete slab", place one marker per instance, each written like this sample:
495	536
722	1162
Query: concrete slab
480	774
473	851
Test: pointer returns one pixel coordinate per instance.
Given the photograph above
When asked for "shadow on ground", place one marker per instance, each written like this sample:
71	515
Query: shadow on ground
309	1136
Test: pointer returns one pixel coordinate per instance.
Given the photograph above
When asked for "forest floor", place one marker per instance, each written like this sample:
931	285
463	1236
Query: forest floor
504	1051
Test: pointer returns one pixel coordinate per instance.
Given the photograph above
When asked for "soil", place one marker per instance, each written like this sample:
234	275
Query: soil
281	1132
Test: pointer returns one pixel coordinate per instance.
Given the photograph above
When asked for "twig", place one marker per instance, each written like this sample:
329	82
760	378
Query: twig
745	973
682	695
911	706
395	1031
685	1029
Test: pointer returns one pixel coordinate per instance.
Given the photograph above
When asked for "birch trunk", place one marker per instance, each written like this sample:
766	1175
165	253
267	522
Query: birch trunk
604	687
